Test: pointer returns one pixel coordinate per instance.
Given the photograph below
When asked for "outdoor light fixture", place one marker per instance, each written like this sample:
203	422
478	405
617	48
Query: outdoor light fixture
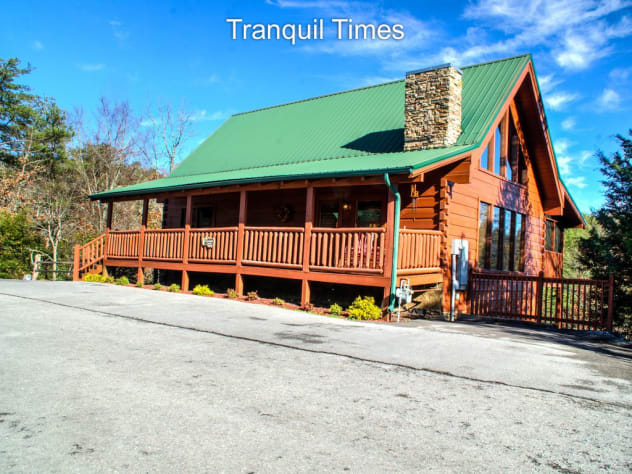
346	206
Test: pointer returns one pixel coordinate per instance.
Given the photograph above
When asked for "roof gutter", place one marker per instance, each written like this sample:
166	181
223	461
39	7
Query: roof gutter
391	298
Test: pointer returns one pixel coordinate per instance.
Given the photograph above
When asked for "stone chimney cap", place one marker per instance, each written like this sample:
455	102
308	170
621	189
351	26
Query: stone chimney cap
432	68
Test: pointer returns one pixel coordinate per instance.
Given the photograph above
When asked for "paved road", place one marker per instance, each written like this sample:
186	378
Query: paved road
87	384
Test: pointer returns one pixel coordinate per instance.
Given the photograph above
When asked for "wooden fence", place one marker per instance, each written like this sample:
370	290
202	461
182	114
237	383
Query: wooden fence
567	303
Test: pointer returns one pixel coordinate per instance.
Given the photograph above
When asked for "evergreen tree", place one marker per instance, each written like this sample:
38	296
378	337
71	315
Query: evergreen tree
608	247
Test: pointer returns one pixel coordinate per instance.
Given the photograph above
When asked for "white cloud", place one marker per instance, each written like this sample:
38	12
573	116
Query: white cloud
621	74
92	67
203	115
117	30
577	32
37	45
548	83
577	182
569	123
609	99
559	100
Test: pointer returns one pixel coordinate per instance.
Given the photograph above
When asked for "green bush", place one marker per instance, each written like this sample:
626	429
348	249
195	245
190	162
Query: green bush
174	288
139	284
364	308
278	301
252	295
335	309
122	281
93	277
231	293
157	286
203	290
107	279
17	237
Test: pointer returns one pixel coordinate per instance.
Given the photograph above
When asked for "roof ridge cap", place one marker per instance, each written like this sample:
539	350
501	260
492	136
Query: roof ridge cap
317	97
524	55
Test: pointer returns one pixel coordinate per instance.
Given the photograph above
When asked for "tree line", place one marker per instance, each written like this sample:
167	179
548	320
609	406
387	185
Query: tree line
51	160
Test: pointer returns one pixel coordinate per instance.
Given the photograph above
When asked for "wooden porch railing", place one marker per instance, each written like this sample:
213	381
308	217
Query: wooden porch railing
357	250
568	303
418	249
222	249
350	249
163	244
123	244
276	246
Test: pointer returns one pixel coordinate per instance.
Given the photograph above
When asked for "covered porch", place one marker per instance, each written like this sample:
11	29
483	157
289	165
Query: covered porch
330	231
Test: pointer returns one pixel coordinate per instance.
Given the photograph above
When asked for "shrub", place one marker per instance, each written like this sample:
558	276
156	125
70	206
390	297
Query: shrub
231	293
122	280
364	308
278	301
335	309
157	286
107	279
92	277
252	295
174	288
203	290
139	284
17	237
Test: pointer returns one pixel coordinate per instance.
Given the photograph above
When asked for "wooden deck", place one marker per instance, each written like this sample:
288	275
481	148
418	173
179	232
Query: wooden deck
334	255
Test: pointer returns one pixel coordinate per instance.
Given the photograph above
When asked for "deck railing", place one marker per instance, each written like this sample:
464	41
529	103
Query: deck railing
275	246
123	244
418	249
356	249
351	249
213	245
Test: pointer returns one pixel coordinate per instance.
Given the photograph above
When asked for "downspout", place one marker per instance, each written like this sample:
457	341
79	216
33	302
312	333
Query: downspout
391	299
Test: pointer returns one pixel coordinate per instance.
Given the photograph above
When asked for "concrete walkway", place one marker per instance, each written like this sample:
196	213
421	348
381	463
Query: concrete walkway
533	359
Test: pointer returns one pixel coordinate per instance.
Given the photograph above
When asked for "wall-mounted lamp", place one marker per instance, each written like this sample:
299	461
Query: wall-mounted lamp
346	206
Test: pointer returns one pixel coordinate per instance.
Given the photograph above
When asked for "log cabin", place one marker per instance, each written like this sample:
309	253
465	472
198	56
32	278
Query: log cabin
364	187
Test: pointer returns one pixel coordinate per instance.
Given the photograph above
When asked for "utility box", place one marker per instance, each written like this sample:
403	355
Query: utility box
460	248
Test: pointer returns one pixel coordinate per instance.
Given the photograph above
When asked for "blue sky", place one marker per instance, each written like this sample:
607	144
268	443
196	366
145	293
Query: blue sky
182	52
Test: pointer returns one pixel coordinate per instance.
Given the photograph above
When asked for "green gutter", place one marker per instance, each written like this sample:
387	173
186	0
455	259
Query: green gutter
391	299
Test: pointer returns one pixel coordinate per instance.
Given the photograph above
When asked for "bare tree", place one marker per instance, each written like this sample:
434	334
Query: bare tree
170	130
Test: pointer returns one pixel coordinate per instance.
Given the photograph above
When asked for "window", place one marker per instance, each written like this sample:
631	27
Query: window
500	238
485	158
518	243
507	240
329	214
484	236
548	235
369	214
559	238
497	150
493	254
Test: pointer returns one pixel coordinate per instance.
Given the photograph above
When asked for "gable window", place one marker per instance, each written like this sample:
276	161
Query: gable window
553	237
500	238
485	158
497	151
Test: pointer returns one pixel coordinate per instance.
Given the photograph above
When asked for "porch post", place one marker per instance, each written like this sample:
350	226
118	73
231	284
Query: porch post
140	276
108	226
390	239
243	205
75	263
185	249
307	240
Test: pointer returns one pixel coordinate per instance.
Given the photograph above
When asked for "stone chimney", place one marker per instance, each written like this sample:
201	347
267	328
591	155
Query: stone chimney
433	108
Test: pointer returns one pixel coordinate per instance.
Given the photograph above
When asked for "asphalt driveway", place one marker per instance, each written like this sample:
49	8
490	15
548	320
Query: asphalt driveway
104	378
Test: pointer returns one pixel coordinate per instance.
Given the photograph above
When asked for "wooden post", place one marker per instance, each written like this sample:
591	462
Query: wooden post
141	241
539	296
307	239
610	302
75	263
390	236
185	250
108	219
243	208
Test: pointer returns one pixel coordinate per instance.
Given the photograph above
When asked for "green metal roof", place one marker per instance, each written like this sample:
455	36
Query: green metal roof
357	132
